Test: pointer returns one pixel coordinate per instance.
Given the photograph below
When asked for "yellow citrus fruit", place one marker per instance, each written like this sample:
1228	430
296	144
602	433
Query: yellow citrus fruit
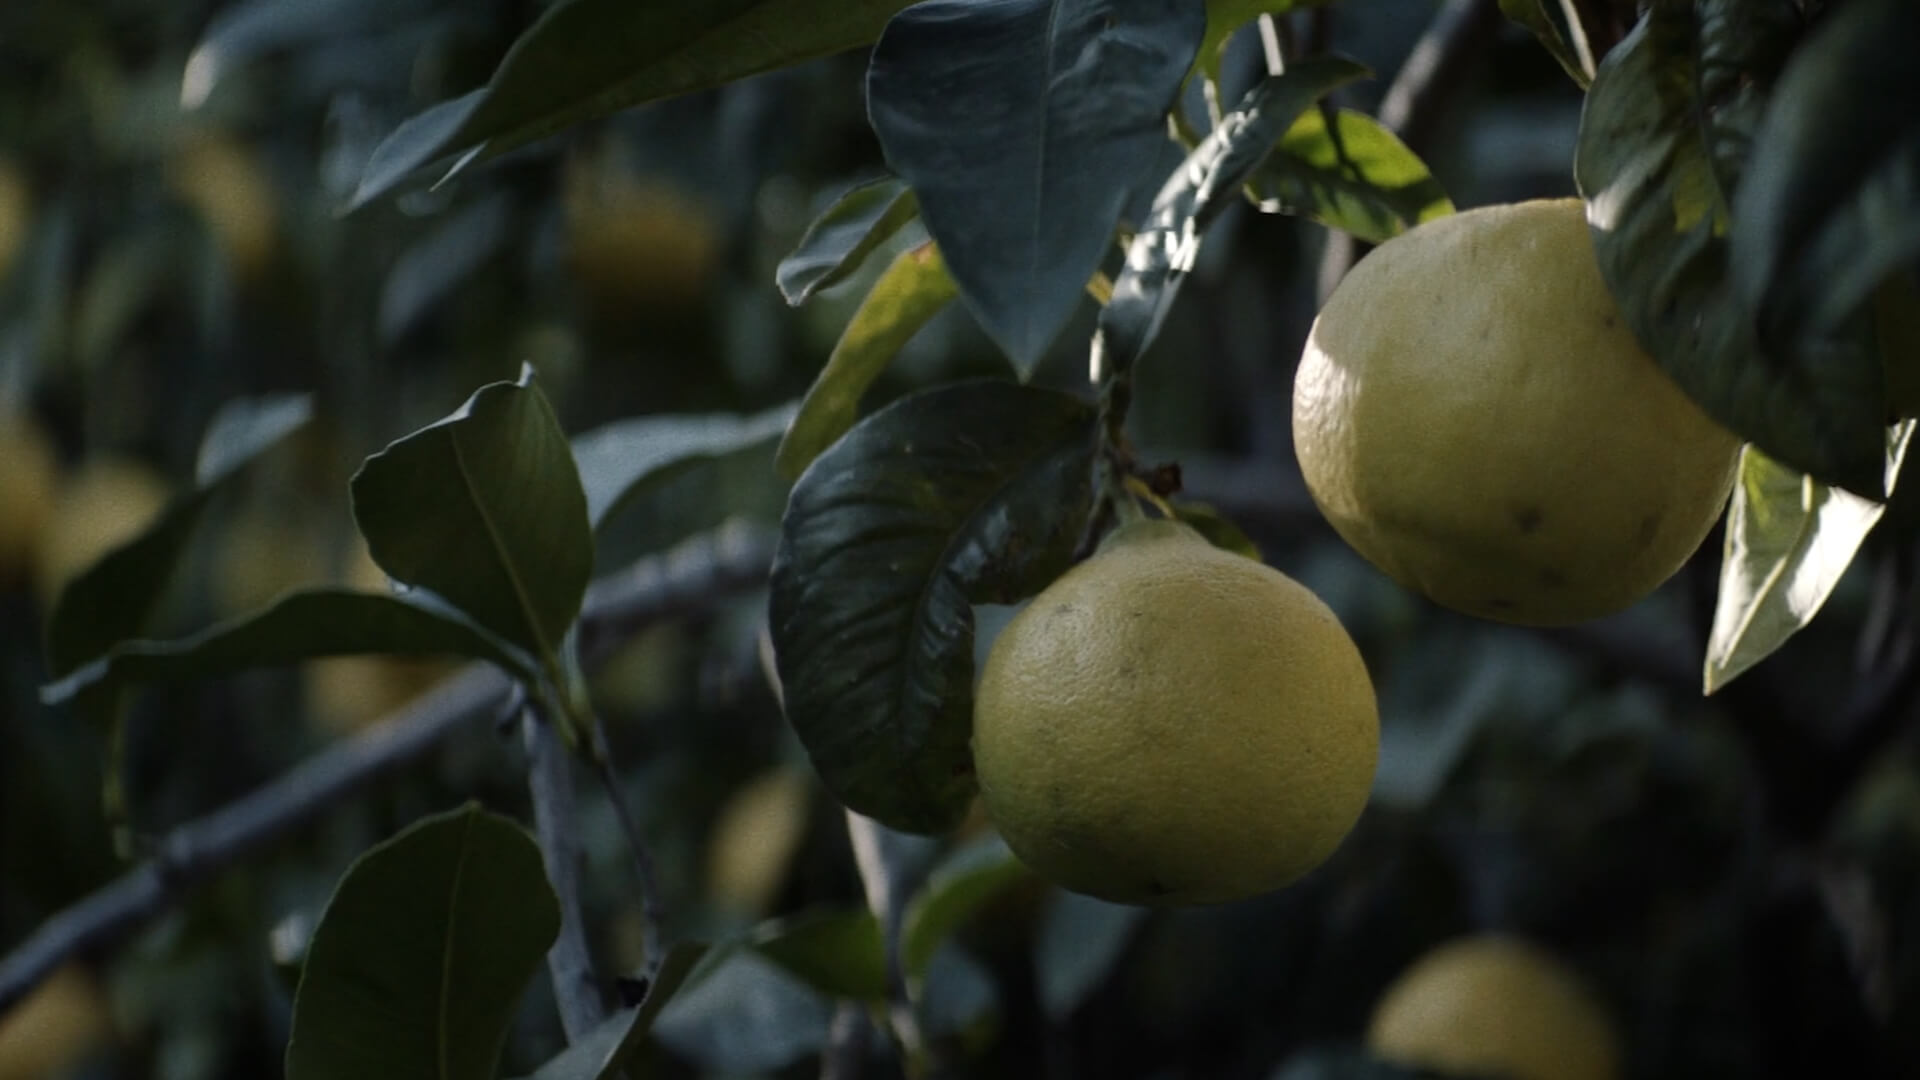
1170	723
29	478
103	504
1497	1006
61	1022
754	840
1472	414
225	183
635	240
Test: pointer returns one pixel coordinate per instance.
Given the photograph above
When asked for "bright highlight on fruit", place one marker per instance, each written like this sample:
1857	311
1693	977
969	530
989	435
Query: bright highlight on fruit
1474	417
1169	723
1496	1006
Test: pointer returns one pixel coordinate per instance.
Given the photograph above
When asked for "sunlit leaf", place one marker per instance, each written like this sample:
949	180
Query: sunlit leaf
1355	176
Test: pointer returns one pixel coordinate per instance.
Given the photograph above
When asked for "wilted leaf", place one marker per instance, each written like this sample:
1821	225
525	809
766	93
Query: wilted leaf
968	493
1789	539
957	888
1024	127
1831	208
300	626
1355	176
620	460
485	508
835	952
840	240
587	58
1665	139
421	957
112	599
1163	252
1081	939
914	288
600	1055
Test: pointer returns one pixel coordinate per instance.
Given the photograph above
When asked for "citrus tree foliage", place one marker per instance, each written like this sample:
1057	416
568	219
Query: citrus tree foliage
912	296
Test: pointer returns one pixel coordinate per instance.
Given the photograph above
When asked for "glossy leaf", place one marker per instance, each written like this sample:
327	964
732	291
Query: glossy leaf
1025	126
485	508
1789	539
1832	206
969	493
300	626
1355	176
420	959
840	240
587	58
602	1053
1163	252
112	600
914	288
618	461
1665	139
1533	15
838	953
956	889
1081	939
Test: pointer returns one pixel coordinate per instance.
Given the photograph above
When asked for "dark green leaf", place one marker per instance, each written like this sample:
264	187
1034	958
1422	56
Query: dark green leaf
914	288
1356	176
1163	252
1533	15
1789	538
838	953
300	626
421	957
1219	531
1225	17
957	888
968	493
1664	139
1025	126
741	1013
1080	941
485	508
587	58
429	271
112	600
840	240
618	461
1832	206
600	1055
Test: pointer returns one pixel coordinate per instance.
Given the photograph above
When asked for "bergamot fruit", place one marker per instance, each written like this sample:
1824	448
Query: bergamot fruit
1496	1006
1473	416
1169	723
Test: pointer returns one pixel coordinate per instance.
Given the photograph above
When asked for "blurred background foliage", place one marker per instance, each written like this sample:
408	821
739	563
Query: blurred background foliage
1736	875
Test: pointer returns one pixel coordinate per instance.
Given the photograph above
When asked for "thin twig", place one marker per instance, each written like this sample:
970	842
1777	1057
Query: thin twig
576	989
1418	98
656	588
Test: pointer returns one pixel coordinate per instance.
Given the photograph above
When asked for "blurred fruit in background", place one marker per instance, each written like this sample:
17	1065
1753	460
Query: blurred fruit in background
101	505
226	184
29	476
347	693
63	1021
754	839
636	240
16	214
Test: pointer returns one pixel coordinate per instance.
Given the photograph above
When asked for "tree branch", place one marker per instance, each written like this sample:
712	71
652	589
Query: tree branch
685	579
576	989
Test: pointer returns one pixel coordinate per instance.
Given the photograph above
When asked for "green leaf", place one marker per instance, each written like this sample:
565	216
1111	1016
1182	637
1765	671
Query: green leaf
113	599
840	240
1533	15
588	58
1025	127
914	288
433	268
1163	252
741	1014
604	1050
838	953
1219	531
1832	208
245	32
958	887
1665	138
1081	939
618	462
1789	539
1227	17
420	959
485	508
300	626
968	493
1355	176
